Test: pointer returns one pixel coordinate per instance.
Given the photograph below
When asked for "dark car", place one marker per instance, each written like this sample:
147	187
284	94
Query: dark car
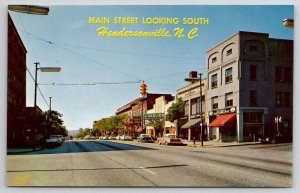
145	138
277	138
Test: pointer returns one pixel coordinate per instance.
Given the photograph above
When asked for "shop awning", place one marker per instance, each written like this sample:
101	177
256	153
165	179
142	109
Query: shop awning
190	123
221	120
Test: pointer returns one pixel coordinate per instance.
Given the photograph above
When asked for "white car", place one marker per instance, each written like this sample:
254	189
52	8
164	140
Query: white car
112	137
126	138
105	137
169	139
54	140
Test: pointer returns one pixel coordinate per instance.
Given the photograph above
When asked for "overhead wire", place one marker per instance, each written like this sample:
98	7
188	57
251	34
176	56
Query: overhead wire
37	87
81	55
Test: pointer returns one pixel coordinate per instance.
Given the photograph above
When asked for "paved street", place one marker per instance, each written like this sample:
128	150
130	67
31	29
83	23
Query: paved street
114	163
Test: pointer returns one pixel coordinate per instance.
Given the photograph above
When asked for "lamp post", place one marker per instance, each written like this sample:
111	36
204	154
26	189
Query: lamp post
288	23
42	69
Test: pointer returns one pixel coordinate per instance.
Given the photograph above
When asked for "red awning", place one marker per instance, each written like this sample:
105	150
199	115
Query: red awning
221	120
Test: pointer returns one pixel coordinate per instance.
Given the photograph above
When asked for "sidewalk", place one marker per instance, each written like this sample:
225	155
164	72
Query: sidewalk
12	151
214	144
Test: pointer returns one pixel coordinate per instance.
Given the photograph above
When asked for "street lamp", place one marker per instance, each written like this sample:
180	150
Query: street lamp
29	9
42	69
288	23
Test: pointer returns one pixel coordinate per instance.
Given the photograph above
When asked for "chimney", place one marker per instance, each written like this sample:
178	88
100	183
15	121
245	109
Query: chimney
193	74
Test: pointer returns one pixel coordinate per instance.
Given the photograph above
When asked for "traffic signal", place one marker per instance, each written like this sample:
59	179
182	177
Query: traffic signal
143	89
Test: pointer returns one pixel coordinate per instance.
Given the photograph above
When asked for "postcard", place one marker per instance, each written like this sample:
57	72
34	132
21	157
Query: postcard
150	96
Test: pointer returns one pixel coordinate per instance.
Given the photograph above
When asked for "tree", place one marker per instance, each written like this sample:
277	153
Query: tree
158	125
83	132
112	124
175	112
54	122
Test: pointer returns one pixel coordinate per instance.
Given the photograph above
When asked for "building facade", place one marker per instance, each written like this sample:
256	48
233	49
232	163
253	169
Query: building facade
158	114
249	84
190	94
16	93
136	109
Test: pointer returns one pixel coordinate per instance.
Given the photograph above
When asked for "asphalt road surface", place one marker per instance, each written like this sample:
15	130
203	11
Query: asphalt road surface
132	164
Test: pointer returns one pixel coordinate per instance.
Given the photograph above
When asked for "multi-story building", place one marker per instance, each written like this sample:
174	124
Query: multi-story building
158	114
16	98
137	109
249	84
190	94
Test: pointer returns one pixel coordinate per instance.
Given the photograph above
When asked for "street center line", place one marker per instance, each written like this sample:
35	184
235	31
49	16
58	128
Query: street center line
148	171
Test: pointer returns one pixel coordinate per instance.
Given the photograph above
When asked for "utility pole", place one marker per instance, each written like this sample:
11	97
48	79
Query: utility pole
34	107
201	122
50	104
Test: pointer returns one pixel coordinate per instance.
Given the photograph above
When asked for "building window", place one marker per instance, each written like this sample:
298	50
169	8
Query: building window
253	69
186	108
229	99
253	97
283	99
214	103
214	81
228	52
214	59
283	74
228	75
195	106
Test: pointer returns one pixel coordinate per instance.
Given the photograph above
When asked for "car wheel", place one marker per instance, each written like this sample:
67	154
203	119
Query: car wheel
273	141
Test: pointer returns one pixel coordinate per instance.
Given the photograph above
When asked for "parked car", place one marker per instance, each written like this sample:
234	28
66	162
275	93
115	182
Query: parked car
54	140
169	139
118	137
277	138
126	138
112	137
89	137
144	138
104	137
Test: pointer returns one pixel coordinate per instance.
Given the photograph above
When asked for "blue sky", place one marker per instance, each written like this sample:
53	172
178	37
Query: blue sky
162	63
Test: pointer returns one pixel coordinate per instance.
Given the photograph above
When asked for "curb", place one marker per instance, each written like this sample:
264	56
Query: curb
21	152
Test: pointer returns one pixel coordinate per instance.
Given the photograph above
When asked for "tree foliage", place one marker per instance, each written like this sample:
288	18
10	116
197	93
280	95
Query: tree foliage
113	124
176	111
54	122
83	132
159	125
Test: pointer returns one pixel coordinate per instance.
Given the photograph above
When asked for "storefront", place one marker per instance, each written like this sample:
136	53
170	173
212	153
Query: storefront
223	127
192	129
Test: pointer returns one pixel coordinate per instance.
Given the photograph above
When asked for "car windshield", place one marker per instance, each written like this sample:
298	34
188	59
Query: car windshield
53	136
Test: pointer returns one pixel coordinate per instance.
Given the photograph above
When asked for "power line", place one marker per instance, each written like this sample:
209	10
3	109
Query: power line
90	84
81	55
135	53
116	51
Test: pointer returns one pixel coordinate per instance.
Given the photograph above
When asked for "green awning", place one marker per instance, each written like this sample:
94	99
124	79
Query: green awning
191	123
